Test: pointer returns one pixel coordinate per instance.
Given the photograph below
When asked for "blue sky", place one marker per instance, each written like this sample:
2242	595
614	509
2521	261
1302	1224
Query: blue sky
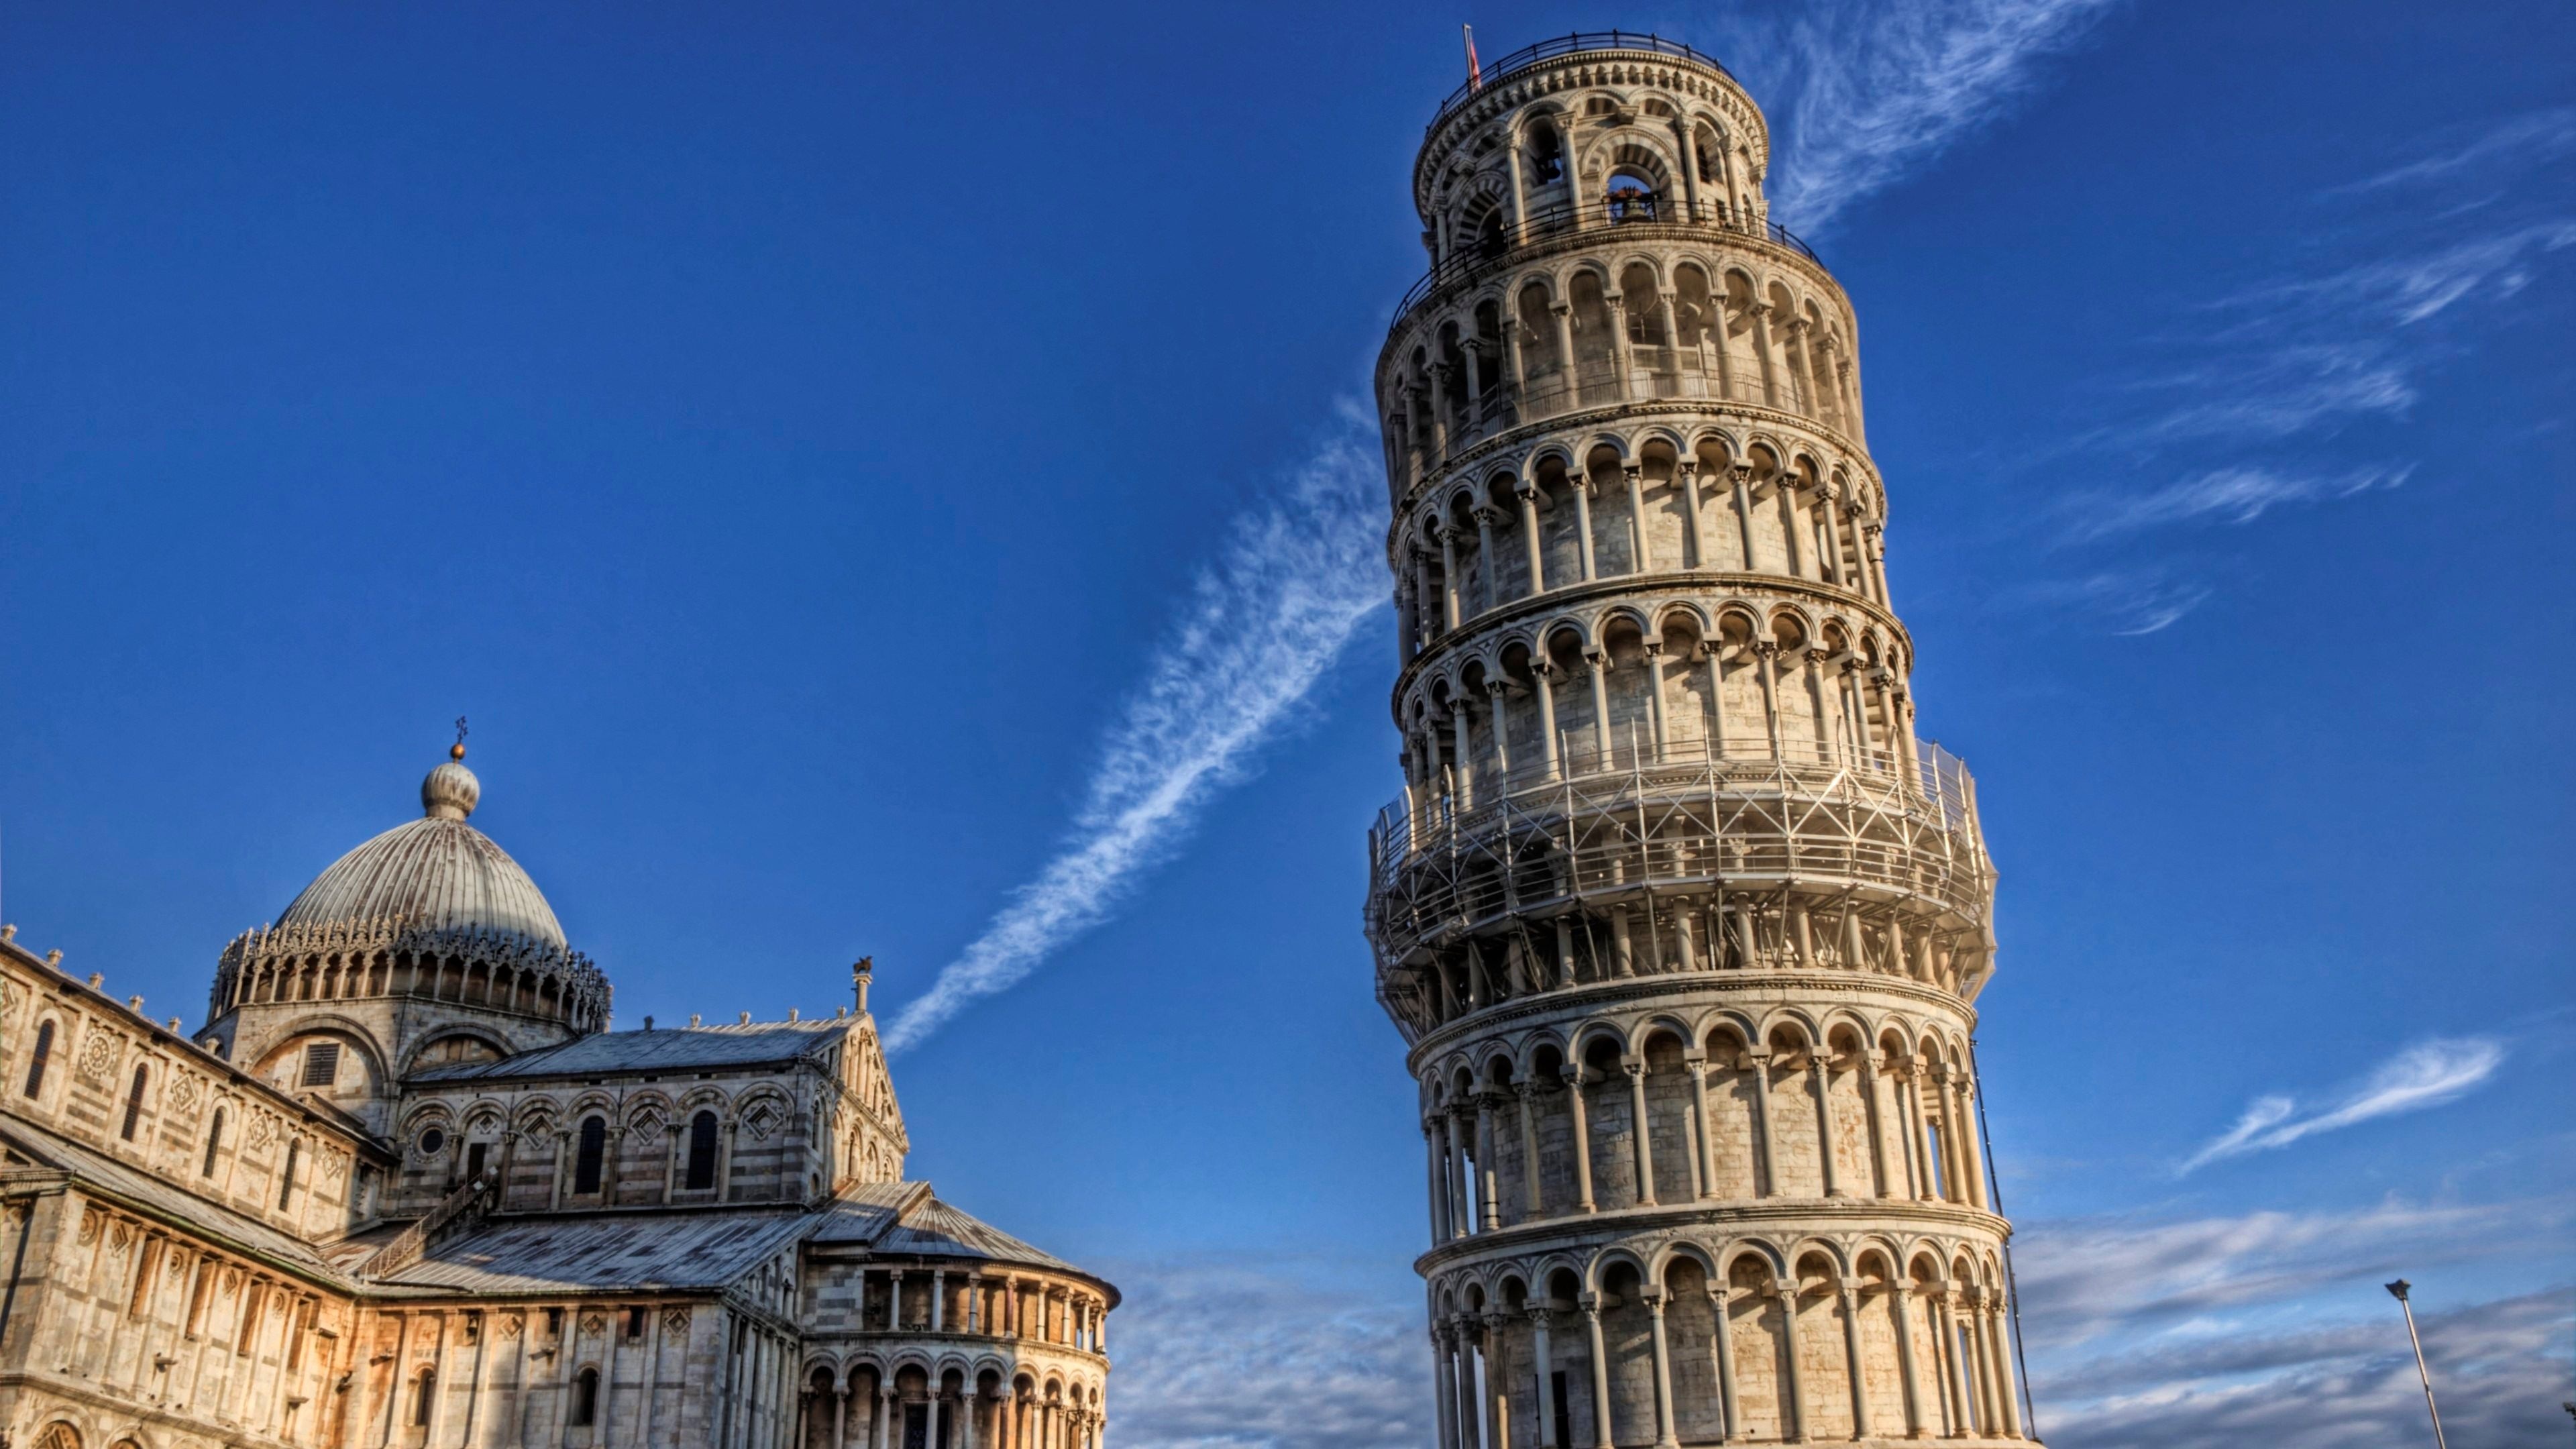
884	483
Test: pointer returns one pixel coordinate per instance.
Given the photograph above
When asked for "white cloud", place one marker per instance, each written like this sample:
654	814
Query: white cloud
1262	625
2261	391
2127	602
2540	136
2426	1074
1275	1354
2498	1369
2385	297
2138	1276
2410	288
1879	89
2270	1328
2222	495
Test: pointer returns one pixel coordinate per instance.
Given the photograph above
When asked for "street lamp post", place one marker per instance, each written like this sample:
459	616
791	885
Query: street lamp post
2397	1290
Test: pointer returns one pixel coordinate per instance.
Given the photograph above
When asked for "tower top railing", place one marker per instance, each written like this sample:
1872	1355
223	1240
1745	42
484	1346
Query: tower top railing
1580	40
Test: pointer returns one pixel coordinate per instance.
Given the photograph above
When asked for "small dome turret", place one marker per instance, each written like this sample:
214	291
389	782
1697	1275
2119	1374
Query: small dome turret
451	791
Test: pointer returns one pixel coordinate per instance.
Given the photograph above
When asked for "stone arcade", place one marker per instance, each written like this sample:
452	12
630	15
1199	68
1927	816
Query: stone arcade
405	1188
1681	923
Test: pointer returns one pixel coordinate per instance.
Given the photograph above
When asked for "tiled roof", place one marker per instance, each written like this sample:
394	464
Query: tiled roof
926	1227
204	1215
607	1252
693	1048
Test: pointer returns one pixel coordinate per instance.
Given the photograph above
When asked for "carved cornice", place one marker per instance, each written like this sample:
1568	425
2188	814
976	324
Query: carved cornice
1785	1218
1588	1000
1477	629
1526	436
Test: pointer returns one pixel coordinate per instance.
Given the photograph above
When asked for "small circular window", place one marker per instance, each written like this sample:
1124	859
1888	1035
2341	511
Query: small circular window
432	1142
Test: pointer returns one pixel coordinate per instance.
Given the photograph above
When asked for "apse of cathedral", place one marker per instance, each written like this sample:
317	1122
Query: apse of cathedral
406	1187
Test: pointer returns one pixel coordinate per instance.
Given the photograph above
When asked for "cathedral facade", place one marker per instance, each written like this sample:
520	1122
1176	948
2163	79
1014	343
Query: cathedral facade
1683	927
405	1187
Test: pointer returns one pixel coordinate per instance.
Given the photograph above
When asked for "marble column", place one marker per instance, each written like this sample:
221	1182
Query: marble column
1645	1153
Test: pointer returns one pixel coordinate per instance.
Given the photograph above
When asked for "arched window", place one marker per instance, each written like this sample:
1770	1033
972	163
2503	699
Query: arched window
36	1064
286	1179
587	1159
425	1397
1546	154
585	1397
1631	196
134	1104
702	1151
214	1141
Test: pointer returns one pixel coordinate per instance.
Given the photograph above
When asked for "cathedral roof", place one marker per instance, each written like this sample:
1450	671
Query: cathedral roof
434	874
629	1251
214	1220
698	1047
920	1225
637	1250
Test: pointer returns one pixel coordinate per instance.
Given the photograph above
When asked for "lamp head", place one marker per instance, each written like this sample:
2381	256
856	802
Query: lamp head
2397	1290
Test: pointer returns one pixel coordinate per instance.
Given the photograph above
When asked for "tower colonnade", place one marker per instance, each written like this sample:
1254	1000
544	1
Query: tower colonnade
1681	922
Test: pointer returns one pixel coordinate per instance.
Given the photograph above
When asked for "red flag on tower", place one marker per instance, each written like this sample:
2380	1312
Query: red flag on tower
1475	72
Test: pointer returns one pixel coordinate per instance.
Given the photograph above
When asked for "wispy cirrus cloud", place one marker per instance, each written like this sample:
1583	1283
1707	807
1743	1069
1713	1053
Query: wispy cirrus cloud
2098	1278
2270	1328
1262	625
1873	92
1279	1354
2234	405
2127	601
2334	1385
2426	1074
2221	495
2518	140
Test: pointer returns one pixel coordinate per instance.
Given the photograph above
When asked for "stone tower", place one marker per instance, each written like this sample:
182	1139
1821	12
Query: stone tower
1682	924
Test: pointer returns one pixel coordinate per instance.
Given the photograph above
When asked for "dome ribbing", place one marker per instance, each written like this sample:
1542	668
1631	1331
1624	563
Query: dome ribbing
436	873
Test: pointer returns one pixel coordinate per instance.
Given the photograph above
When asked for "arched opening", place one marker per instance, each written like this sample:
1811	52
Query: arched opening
286	1179
1631	196
214	1143
702	1152
1590	324
36	1063
134	1104
1542	361
590	1154
1546	154
585	1398
424	1397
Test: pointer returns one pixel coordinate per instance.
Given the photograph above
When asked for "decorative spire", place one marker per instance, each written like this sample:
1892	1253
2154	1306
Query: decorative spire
451	791
859	974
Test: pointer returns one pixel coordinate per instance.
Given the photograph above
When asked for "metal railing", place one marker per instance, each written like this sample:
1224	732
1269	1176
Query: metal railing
1935	781
1529	55
1565	218
1684	820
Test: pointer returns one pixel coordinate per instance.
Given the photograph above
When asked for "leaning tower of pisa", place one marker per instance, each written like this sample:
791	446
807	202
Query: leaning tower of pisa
1682	923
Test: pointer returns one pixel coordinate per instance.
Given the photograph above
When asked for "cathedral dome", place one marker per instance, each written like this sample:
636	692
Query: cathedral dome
436	873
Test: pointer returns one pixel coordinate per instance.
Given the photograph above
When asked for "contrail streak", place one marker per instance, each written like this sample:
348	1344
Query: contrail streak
1262	625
